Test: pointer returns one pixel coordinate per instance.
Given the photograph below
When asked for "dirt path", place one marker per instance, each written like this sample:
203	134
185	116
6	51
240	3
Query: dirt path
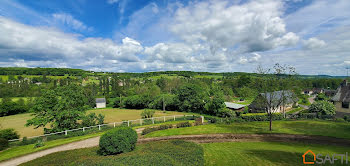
207	138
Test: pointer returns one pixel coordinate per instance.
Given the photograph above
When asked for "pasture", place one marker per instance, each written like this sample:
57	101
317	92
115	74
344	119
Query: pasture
111	115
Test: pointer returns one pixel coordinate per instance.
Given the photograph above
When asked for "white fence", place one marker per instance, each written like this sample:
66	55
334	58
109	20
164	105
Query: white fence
114	124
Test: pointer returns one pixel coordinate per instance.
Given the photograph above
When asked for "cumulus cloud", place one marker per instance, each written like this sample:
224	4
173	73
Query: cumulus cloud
70	21
254	57
42	44
252	26
112	1
170	53
313	43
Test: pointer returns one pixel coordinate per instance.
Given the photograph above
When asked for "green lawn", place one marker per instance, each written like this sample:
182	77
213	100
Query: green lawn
264	153
294	110
154	153
27	149
111	115
306	127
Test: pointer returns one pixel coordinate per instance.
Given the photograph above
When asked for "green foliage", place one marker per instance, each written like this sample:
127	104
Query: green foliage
246	92
39	143
164	153
92	120
191	98
152	129
4	143
261	117
169	102
322	108
119	140
61	108
9	134
147	113
136	102
321	96
183	124
9	107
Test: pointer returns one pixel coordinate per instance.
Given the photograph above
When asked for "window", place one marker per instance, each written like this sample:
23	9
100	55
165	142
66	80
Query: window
345	104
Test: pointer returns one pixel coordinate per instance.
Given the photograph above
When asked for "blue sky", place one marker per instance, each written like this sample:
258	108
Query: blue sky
213	35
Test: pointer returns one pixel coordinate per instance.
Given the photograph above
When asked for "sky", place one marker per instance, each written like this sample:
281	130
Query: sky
164	35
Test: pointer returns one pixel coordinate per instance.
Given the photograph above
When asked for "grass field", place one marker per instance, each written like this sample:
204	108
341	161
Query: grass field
264	153
111	115
15	99
155	153
306	127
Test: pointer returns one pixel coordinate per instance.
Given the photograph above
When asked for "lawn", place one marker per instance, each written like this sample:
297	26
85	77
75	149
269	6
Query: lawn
264	153
111	115
154	153
305	127
245	102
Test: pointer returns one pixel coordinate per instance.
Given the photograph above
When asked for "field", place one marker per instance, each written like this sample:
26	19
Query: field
155	153
310	127
264	153
183	153
111	115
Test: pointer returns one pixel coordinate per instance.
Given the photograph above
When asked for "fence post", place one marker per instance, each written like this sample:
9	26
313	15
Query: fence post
174	118
128	123
65	132
152	120
164	118
114	124
99	127
83	129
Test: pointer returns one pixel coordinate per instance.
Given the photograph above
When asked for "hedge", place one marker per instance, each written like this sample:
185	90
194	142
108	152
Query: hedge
119	140
261	117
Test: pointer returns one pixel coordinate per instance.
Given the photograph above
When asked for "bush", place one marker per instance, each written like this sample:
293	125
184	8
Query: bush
9	134
322	107
39	143
166	126
183	124
261	116
346	118
147	113
149	130
116	141
4	143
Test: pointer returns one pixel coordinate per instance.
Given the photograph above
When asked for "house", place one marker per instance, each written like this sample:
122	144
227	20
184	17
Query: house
285	99
307	92
100	102
234	106
342	97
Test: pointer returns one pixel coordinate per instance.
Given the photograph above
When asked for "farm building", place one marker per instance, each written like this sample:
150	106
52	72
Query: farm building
285	99
342	97
100	102
234	106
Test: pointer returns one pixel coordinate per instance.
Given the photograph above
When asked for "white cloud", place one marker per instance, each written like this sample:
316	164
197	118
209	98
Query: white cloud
42	44
67	19
252	26
313	43
170	53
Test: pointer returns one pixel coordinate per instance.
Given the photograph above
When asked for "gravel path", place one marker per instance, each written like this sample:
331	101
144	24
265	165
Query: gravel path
206	138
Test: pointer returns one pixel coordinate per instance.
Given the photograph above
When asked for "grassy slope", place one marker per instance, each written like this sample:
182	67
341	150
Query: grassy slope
323	128
155	153
263	153
27	149
111	115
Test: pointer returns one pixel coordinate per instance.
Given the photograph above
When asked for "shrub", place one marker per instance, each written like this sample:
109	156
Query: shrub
346	118
4	143
39	143
149	129
322	107
261	117
9	134
339	120
183	124
147	113
116	141
166	126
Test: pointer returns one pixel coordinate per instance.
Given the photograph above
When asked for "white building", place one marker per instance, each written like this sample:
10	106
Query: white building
100	102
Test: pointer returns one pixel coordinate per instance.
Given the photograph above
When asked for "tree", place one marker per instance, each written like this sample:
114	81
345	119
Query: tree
246	92
61	108
279	78
216	102
322	108
191	98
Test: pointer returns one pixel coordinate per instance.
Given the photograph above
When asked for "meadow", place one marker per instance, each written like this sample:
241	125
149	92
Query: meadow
304	127
155	153
111	115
